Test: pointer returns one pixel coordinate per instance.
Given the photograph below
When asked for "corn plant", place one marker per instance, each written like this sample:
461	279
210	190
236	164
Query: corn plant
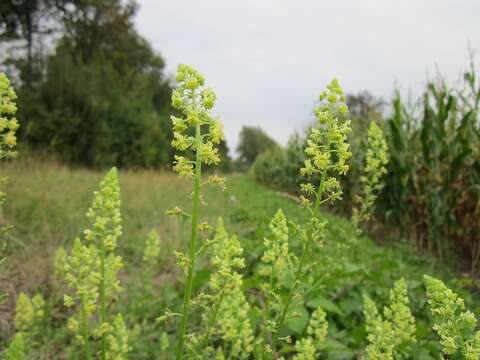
432	183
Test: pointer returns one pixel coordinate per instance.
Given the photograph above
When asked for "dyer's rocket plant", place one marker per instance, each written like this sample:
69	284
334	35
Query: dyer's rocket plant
225	307
327	155
29	326
309	347
196	133
390	336
90	271
456	326
8	142
376	161
18	348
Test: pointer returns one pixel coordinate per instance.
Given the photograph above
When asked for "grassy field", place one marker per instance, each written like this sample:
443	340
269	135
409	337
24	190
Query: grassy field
47	203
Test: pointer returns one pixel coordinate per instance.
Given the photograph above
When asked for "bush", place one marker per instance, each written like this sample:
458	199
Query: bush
253	142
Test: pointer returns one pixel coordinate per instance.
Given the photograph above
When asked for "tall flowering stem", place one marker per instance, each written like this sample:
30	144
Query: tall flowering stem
8	141
327	152
90	271
194	102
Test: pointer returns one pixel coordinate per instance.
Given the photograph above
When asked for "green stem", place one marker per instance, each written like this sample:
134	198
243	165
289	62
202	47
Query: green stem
103	298
86	343
298	273
192	247
211	323
323	177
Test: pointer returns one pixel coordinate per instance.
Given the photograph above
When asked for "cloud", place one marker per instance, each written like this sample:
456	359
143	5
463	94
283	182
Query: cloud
269	59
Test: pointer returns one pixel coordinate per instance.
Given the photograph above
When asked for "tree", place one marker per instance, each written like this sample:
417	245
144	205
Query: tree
103	98
253	142
21	21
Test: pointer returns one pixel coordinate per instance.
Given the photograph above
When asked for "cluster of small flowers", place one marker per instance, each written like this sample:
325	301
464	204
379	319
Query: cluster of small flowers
277	265
327	147
376	162
29	320
90	270
8	122
231	321
29	314
152	250
17	349
455	325
194	102
8	141
277	261
392	335
195	133
308	347
118	340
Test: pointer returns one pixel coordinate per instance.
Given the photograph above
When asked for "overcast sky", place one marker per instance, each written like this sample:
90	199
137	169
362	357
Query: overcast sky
268	59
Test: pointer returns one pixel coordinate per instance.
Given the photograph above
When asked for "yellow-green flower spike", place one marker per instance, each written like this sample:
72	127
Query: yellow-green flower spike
309	346
455	325
18	348
229	320
8	122
194	102
29	317
24	313
152	250
197	134
376	161
327	146
392	335
91	269
276	259
118	340
398	313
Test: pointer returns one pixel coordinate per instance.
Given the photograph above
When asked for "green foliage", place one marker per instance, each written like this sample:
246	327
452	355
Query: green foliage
100	98
431	190
433	176
252	142
276	166
110	122
296	294
338	278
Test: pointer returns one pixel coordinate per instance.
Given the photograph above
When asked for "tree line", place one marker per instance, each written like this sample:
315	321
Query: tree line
90	88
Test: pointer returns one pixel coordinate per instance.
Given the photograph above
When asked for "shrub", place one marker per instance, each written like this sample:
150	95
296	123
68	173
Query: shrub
253	142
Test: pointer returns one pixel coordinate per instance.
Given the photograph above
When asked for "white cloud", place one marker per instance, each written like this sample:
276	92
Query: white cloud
268	59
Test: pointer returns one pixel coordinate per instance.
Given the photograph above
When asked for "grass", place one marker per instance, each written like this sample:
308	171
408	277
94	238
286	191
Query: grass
47	203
